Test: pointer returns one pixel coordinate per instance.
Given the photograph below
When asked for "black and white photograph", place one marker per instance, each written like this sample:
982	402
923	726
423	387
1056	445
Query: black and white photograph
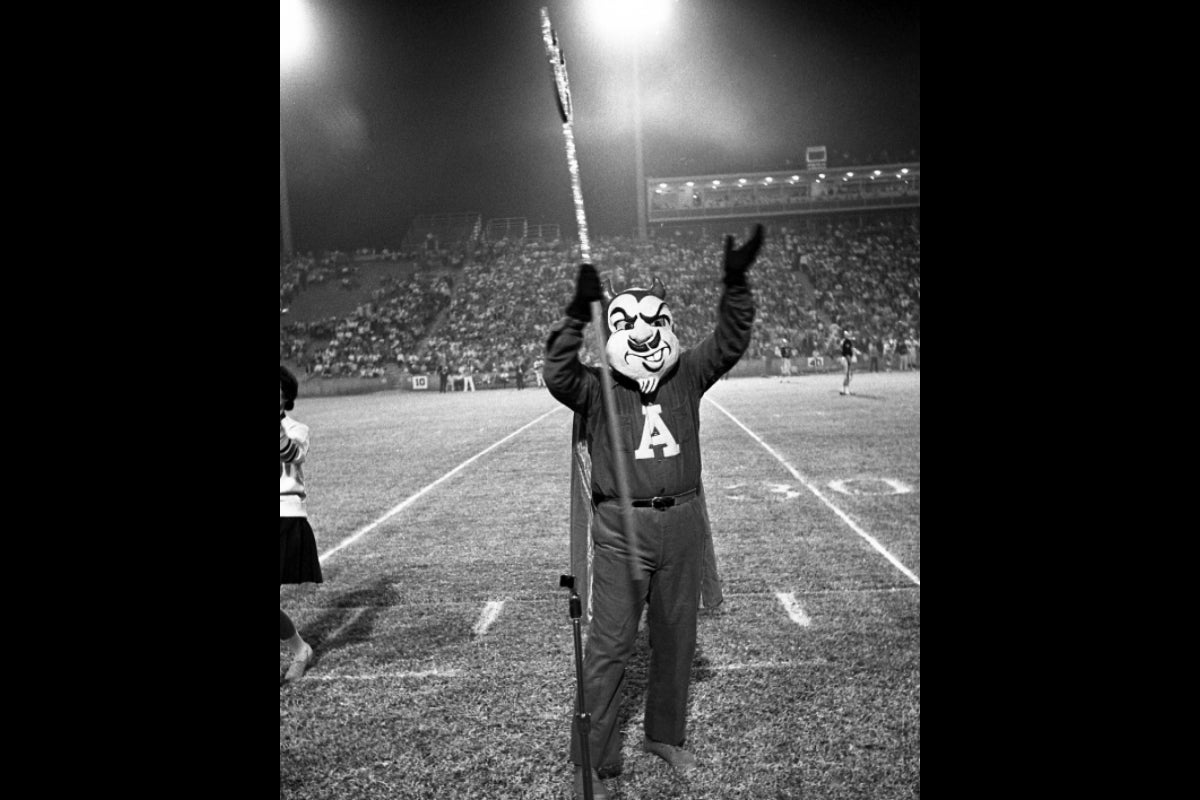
600	400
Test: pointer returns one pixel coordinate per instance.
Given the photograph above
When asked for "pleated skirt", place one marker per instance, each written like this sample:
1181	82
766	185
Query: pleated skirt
299	561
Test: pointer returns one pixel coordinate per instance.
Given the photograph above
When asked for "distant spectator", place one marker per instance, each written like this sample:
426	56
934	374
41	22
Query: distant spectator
902	352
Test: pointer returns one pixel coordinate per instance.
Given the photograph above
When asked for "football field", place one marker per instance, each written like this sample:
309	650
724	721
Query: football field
444	660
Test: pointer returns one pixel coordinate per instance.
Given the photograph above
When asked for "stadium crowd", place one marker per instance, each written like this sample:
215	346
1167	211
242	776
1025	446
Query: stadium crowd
301	271
384	331
486	314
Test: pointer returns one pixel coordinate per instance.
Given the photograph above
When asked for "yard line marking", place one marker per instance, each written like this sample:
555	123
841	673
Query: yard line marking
378	676
543	601
361	532
490	612
808	485
458	673
793	609
333	637
764	665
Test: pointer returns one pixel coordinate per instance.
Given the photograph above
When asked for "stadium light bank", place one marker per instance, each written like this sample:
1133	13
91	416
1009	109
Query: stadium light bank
295	31
633	22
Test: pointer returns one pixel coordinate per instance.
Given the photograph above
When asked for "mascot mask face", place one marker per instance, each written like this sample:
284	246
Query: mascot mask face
641	344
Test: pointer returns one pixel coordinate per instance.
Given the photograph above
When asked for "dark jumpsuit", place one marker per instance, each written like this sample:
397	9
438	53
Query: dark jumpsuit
670	541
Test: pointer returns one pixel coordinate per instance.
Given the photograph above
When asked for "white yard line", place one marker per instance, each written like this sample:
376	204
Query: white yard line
763	665
361	532
381	676
794	609
317	675
333	637
808	485
490	612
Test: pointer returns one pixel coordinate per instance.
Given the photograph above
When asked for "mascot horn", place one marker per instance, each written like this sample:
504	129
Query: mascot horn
642	344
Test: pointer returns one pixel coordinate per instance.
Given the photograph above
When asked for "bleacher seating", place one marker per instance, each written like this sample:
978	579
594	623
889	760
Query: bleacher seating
492	309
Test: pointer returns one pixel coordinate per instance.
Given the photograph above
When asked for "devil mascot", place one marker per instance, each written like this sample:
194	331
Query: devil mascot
656	391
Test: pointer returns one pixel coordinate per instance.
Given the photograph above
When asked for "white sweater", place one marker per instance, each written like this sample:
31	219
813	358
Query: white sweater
293	447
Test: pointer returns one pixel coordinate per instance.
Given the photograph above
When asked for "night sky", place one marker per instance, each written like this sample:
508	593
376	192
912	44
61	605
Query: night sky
401	108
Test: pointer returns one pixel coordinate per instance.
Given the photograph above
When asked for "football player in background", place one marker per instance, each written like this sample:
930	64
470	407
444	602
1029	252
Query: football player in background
848	358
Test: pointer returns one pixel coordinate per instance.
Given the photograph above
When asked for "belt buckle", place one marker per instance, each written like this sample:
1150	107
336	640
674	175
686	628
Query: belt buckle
659	503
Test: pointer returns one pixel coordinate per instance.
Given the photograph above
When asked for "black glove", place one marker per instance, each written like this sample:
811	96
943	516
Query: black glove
738	261
587	289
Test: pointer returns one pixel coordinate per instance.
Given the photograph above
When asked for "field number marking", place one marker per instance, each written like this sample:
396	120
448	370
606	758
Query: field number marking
817	492
870	486
783	489
793	609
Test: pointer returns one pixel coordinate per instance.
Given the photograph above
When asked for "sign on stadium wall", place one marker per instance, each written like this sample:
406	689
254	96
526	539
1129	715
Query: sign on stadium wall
815	157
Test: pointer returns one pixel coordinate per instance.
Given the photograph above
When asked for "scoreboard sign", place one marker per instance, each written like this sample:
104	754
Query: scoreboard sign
815	157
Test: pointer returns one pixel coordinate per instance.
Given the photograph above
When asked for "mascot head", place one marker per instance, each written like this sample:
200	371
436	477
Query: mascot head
641	334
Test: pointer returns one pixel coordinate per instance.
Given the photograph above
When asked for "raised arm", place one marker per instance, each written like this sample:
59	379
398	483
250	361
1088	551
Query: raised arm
569	381
720	351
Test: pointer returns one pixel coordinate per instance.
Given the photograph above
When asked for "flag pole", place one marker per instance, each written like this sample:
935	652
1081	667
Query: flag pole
562	86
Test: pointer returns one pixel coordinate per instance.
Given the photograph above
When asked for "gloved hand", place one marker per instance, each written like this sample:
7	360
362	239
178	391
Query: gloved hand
587	289
738	261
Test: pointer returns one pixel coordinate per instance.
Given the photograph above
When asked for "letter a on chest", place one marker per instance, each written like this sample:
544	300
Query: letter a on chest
655	434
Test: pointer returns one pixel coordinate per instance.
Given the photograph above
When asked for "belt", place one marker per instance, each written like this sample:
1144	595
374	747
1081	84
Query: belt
658	503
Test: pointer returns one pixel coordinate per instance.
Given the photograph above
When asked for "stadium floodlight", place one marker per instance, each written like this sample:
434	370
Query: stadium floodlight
294	33
295	30
632	22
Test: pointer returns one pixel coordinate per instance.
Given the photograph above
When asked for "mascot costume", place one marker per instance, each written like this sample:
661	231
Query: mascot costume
657	389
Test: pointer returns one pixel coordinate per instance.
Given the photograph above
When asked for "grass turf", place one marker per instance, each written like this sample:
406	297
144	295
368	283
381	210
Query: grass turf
403	700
